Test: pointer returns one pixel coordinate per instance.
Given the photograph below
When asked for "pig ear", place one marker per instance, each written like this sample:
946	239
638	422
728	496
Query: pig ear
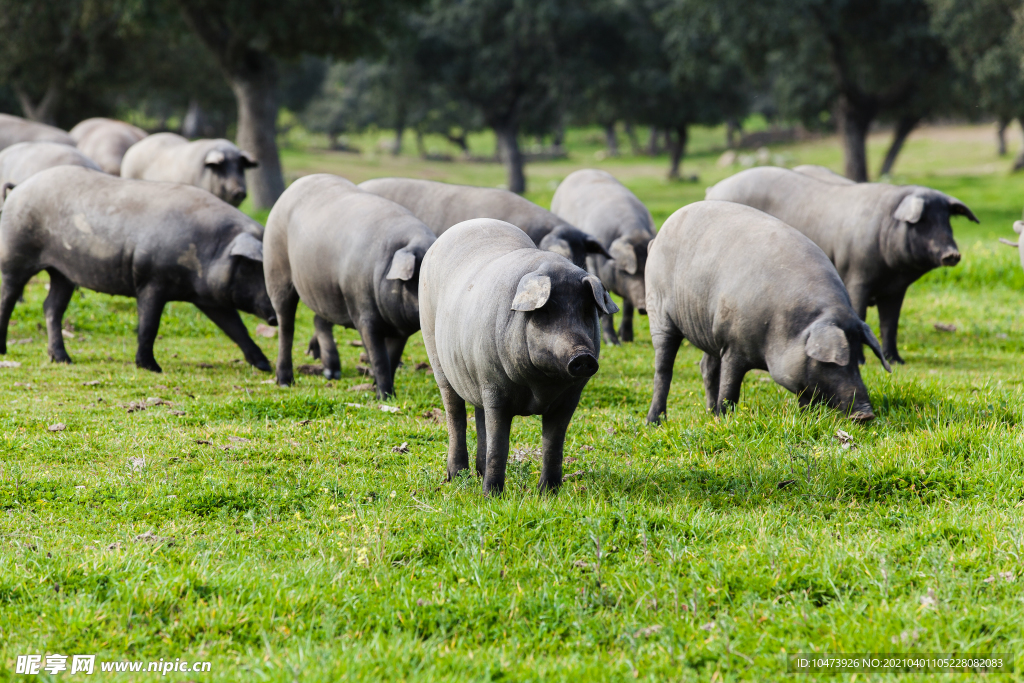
827	343
604	302
403	265
7	187
214	157
247	246
556	245
594	247
958	208
248	160
872	342
910	209
624	255
532	293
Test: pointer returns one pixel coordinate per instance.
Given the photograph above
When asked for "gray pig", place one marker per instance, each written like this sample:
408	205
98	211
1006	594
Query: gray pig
826	175
601	206
513	330
753	293
880	237
25	159
106	141
14	129
442	205
156	242
352	257
217	166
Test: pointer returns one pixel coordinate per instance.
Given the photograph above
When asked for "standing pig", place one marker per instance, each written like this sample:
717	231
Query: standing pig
352	257
442	205
156	242
106	141
601	206
217	166
25	159
14	129
514	331
753	293
880	237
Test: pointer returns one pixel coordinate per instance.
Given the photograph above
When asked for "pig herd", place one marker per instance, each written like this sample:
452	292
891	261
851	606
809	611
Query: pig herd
774	271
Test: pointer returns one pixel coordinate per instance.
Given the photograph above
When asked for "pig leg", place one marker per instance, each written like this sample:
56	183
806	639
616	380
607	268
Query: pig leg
228	320
455	417
395	345
889	321
285	309
608	328
555	424
327	350
710	370
150	303
61	290
498	426
481	441
731	374
665	349
377	350
10	291
626	327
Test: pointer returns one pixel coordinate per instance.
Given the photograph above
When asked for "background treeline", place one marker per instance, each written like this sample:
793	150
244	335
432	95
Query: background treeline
517	67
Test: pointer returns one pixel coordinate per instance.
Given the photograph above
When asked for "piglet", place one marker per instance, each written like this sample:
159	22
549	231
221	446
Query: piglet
753	293
513	330
353	258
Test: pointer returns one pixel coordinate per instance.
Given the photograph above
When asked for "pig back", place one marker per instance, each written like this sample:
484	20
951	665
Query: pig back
722	274
25	159
597	203
14	129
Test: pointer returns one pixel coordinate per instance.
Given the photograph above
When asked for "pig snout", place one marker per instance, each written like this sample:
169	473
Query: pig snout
582	364
950	257
236	197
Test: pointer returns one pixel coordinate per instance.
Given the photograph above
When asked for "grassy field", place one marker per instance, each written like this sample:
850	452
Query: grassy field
305	534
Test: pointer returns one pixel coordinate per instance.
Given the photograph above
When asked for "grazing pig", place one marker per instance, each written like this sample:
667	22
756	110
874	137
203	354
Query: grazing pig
513	330
156	242
106	141
217	166
14	129
753	293
826	175
25	159
880	237
353	258
601	206
442	205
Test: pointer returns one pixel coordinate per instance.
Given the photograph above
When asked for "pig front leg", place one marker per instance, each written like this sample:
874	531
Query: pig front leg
889	322
608	330
377	350
285	307
555	425
10	291
731	372
228	320
498	427
327	350
150	302
710	370
626	326
395	346
455	419
61	290
665	349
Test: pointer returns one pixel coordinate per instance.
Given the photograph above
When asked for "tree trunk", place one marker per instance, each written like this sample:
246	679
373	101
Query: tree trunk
853	122
46	110
1001	136
677	148
459	141
396	149
508	145
558	139
1018	163
904	127
732	133
421	147
256	94
634	143
652	143
194	123
611	139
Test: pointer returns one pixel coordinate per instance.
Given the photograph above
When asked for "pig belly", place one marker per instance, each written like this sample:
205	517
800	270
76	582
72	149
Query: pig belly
91	262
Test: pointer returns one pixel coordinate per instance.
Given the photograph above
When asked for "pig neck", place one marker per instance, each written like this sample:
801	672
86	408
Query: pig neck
893	247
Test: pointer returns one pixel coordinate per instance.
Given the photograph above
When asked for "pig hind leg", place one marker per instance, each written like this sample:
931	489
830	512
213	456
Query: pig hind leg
61	291
285	307
150	303
555	425
327	350
626	326
481	440
228	320
730	380
376	349
395	346
10	291
889	322
666	347
711	370
455	419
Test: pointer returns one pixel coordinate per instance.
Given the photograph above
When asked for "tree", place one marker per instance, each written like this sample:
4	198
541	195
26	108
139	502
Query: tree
249	37
347	102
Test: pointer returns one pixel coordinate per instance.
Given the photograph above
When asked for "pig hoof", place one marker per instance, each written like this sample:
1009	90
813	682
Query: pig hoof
148	365
60	358
263	365
285	380
332	374
862	416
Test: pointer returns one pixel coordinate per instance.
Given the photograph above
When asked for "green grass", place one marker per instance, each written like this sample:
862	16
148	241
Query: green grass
316	551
